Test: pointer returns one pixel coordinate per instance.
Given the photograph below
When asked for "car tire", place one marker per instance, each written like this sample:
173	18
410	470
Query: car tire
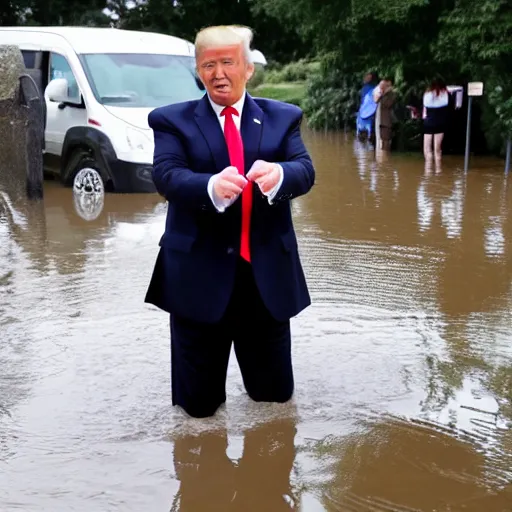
84	174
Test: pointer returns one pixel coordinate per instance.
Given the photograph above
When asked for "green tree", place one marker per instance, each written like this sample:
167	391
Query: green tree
13	12
476	37
185	18
54	12
410	40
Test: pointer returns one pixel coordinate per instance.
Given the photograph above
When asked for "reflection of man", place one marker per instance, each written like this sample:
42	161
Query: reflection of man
263	474
209	480
228	268
205	472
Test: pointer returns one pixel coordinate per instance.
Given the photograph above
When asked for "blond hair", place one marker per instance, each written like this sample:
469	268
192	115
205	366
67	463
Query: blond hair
225	35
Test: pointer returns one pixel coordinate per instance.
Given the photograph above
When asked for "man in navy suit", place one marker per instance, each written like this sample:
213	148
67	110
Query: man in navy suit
228	269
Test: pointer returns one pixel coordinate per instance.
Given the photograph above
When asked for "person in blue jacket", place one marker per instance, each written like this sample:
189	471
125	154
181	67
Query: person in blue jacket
368	107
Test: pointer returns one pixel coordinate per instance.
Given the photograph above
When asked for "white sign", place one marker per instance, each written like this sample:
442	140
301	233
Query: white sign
475	88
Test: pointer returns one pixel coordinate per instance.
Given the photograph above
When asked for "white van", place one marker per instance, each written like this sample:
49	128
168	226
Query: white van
99	86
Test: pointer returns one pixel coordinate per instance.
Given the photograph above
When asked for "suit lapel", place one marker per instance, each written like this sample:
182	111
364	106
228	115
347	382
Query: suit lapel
251	129
212	133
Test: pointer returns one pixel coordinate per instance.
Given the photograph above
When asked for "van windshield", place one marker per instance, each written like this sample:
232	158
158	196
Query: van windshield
142	80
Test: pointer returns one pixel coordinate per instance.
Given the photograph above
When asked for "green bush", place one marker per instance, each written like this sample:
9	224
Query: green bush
331	100
258	78
409	135
497	113
298	71
290	93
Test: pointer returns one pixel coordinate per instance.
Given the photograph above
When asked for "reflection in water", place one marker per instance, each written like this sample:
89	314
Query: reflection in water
397	465
88	205
259	480
403	362
441	201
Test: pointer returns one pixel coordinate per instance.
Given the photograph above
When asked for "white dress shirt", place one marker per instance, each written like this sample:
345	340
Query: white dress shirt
431	100
221	203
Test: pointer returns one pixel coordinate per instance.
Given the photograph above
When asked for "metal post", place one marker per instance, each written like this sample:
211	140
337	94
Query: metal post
33	101
468	135
509	151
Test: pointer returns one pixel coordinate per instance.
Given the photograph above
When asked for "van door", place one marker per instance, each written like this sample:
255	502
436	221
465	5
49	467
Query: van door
60	118
36	64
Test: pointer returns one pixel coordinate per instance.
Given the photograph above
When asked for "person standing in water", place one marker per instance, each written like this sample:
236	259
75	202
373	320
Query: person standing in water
385	97
228	269
367	107
435	119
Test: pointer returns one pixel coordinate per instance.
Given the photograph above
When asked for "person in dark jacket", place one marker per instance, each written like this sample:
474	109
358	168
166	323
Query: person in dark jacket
228	270
385	97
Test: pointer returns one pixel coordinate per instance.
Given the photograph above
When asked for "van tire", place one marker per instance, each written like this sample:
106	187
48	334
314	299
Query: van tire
84	173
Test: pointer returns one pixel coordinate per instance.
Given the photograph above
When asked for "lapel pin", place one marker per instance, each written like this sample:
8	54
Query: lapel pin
257	121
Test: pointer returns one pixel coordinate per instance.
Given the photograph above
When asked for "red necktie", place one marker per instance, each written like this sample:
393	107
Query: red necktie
236	157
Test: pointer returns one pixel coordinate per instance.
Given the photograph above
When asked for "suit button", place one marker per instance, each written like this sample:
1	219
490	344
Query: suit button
230	250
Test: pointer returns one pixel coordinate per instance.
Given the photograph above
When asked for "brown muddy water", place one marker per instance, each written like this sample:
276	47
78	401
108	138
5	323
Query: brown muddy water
403	363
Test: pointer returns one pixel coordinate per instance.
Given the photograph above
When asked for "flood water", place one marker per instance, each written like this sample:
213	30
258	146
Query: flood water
403	363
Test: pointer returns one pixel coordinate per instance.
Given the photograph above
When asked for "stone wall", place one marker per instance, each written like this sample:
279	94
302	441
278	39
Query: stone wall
21	126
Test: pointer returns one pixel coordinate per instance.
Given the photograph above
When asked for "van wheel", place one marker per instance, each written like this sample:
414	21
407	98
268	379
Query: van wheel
88	180
84	173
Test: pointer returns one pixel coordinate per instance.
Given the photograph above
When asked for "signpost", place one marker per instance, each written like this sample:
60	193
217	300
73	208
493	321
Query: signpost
509	151
474	89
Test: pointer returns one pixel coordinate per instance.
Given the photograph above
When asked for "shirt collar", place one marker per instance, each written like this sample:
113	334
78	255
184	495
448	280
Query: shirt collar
239	105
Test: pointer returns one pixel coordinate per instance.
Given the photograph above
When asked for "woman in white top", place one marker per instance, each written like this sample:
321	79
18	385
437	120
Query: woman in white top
435	120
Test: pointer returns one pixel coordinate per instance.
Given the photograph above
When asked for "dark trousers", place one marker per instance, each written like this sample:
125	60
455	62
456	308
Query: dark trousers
200	352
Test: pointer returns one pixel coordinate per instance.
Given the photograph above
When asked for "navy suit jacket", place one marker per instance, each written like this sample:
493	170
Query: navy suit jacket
194	273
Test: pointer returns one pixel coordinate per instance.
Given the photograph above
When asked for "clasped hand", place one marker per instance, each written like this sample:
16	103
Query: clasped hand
229	183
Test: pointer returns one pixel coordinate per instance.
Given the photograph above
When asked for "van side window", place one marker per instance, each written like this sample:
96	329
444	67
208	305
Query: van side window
29	57
59	68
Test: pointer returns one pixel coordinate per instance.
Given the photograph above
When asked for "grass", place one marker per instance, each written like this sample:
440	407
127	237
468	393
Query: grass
290	92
